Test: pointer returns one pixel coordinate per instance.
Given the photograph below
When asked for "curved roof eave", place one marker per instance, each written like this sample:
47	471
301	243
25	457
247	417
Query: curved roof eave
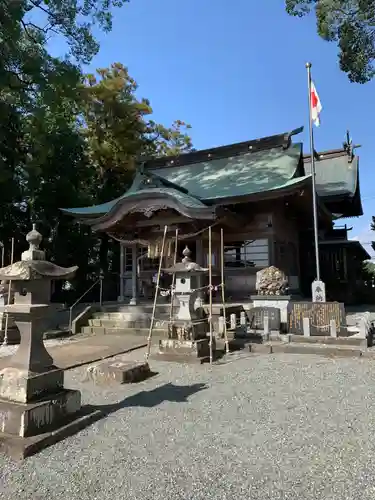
148	201
89	212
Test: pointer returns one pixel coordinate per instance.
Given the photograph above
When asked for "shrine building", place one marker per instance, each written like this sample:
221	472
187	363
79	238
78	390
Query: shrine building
260	193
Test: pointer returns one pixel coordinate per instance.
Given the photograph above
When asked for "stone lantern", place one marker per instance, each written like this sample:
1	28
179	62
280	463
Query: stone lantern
35	408
187	332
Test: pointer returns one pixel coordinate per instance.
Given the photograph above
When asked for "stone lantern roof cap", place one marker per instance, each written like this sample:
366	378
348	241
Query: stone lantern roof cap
33	264
187	266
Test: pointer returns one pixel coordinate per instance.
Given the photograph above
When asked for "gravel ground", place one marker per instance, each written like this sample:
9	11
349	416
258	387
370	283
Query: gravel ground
259	427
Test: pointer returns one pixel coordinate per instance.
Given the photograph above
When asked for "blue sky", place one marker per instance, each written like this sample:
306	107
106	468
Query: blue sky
236	71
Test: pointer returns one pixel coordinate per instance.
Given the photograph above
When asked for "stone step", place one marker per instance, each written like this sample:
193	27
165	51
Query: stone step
110	323
139	323
143	332
128	313
339	341
120	309
300	348
116	316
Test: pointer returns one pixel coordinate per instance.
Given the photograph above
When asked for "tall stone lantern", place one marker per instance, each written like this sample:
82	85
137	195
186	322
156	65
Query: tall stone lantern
35	408
187	332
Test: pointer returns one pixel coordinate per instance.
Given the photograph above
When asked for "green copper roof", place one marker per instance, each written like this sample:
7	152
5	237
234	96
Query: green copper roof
183	198
335	175
239	175
211	180
93	210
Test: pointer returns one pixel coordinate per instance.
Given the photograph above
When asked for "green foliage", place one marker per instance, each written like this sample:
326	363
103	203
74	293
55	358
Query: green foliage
118	131
68	139
369	268
349	23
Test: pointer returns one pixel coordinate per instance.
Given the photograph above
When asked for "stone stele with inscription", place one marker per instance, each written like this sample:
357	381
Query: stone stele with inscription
318	289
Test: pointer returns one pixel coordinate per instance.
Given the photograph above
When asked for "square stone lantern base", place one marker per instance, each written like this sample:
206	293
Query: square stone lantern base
118	370
186	351
27	428
35	408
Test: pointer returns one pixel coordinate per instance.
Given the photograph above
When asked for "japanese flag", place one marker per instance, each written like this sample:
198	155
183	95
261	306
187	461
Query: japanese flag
316	106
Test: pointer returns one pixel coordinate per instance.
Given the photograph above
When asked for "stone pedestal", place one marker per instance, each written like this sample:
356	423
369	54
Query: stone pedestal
185	351
35	408
279	301
120	371
188	330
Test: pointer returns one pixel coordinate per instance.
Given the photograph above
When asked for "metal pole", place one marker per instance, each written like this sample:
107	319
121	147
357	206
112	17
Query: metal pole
2	253
173	279
313	173
222	285
101	277
210	289
149	338
5	341
70	320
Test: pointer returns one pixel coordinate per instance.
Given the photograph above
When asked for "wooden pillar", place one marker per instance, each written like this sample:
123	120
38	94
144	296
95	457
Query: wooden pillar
134	299
199	259
122	269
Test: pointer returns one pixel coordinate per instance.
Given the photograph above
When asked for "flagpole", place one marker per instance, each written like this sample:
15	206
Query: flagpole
313	173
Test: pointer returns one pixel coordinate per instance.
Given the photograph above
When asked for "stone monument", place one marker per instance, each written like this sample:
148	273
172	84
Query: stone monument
187	333
318	289
35	408
272	291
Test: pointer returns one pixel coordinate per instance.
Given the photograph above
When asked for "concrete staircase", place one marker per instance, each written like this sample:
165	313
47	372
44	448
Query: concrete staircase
126	319
123	318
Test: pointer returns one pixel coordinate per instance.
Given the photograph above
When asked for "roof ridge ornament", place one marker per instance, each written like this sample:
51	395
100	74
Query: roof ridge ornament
288	136
349	147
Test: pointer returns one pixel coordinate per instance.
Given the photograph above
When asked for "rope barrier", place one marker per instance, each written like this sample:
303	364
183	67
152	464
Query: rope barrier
171	291
320	327
206	287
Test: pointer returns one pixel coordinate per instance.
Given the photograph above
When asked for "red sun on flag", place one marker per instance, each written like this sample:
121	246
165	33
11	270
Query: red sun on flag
316	106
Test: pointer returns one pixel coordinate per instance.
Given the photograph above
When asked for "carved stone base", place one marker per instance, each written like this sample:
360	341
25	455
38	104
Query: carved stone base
18	447
279	301
31	419
187	331
23	386
118	371
185	350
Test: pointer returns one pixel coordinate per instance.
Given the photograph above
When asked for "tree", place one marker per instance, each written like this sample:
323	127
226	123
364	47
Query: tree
26	67
349	23
67	139
42	160
117	131
117	128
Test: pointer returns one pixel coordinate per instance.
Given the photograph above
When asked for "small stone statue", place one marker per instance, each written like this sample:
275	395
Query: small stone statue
271	281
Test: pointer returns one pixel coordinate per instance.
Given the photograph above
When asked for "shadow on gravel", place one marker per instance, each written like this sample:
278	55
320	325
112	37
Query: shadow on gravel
149	399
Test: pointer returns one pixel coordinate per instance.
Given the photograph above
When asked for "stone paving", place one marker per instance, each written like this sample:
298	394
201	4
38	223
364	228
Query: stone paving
253	427
82	349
